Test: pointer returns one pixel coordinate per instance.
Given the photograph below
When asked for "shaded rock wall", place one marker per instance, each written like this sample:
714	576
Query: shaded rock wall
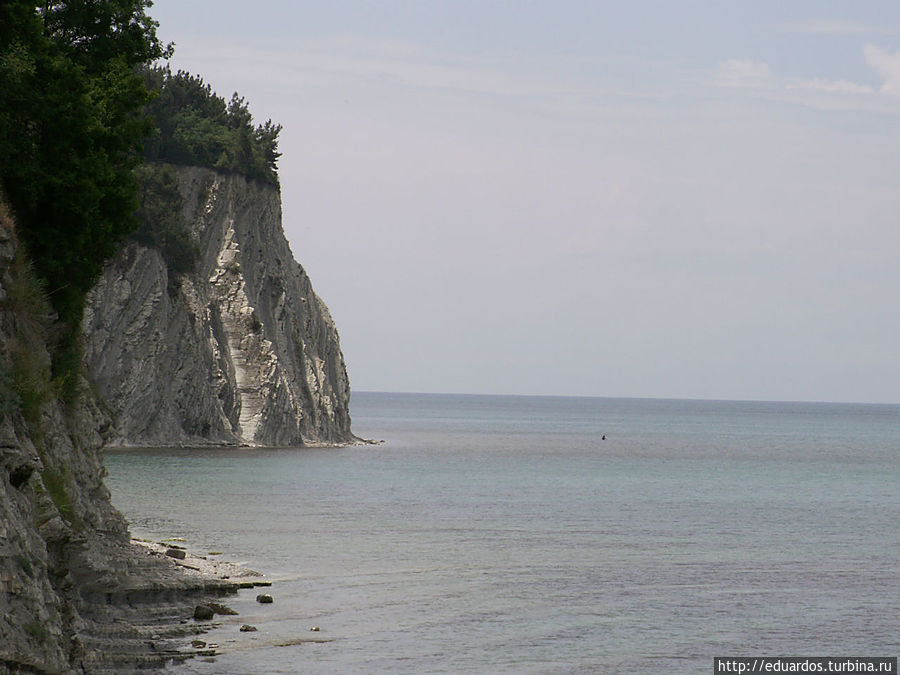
239	351
75	595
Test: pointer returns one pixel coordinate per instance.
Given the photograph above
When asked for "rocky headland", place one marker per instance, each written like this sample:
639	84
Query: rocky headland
238	351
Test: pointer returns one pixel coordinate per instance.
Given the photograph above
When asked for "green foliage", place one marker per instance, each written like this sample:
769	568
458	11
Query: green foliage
196	127
25	565
9	398
71	130
75	109
37	630
27	374
67	362
56	485
30	381
26	297
163	226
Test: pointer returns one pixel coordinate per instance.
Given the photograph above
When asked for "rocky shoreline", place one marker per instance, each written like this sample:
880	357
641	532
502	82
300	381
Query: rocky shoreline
200	614
171	596
205	568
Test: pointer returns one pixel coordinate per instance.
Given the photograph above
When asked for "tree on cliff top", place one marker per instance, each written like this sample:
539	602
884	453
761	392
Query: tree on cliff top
196	127
71	129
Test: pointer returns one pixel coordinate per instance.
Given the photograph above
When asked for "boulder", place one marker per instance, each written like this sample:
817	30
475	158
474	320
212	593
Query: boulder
203	613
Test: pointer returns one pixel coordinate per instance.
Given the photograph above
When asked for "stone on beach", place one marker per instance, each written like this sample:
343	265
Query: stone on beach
203	613
240	576
219	608
175	553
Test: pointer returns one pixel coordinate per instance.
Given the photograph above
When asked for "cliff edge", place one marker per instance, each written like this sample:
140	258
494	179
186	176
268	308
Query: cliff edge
240	350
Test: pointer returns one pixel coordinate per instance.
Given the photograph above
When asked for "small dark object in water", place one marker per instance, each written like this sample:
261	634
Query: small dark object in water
246	628
603	438
264	598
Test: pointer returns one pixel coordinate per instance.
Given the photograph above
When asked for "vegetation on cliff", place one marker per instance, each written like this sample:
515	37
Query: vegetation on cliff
72	125
196	127
74	114
163	225
87	124
25	382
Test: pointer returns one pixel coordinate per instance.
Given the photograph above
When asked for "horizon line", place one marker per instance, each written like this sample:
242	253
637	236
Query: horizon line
626	398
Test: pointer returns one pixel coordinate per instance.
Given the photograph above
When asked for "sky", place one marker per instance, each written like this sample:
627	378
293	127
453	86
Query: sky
692	199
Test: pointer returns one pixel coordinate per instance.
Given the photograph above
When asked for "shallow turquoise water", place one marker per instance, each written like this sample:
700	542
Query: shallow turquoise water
500	534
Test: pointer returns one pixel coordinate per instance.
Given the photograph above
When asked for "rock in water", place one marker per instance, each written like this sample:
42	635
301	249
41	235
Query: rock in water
264	598
203	613
248	629
219	608
239	351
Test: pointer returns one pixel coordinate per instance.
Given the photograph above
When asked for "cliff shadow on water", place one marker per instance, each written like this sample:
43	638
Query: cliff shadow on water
230	347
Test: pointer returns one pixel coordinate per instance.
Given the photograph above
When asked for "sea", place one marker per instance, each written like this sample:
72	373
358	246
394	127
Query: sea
518	534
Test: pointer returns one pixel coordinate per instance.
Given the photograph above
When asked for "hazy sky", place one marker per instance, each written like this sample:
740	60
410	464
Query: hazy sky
677	199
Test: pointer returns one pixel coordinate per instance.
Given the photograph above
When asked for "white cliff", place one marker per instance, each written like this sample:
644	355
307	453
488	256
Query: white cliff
239	351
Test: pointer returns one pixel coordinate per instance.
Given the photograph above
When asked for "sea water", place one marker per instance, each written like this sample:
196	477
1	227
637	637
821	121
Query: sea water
494	534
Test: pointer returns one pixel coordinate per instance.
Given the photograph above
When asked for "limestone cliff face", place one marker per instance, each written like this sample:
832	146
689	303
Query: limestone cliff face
75	595
239	351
